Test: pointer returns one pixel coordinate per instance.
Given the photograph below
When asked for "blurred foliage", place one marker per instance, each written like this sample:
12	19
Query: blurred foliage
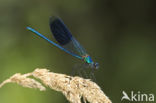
120	35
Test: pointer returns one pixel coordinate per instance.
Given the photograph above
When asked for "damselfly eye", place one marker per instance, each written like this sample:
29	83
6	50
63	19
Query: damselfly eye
96	65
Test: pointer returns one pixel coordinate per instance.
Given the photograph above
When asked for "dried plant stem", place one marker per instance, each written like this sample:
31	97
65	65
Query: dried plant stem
74	88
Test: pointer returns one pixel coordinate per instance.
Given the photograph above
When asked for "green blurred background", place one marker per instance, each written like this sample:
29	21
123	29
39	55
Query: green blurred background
119	34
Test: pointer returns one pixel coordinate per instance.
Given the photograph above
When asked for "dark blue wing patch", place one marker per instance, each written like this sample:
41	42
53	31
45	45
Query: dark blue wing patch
60	31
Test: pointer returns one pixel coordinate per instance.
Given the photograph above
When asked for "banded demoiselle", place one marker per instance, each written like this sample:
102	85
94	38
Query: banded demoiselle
66	41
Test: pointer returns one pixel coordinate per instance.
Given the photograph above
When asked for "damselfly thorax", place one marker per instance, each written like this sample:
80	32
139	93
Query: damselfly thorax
87	59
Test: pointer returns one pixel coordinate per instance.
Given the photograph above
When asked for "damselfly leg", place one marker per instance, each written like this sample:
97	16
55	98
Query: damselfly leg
83	70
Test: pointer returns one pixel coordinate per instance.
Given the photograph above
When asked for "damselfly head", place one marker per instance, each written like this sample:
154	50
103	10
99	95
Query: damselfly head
94	65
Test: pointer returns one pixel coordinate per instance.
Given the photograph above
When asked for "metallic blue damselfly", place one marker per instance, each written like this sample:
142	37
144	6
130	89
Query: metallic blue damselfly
66	41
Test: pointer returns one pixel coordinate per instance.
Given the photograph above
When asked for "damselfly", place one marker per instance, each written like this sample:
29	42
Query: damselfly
66	41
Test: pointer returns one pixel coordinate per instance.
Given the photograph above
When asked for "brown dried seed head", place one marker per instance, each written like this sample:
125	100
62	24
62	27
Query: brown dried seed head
74	88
